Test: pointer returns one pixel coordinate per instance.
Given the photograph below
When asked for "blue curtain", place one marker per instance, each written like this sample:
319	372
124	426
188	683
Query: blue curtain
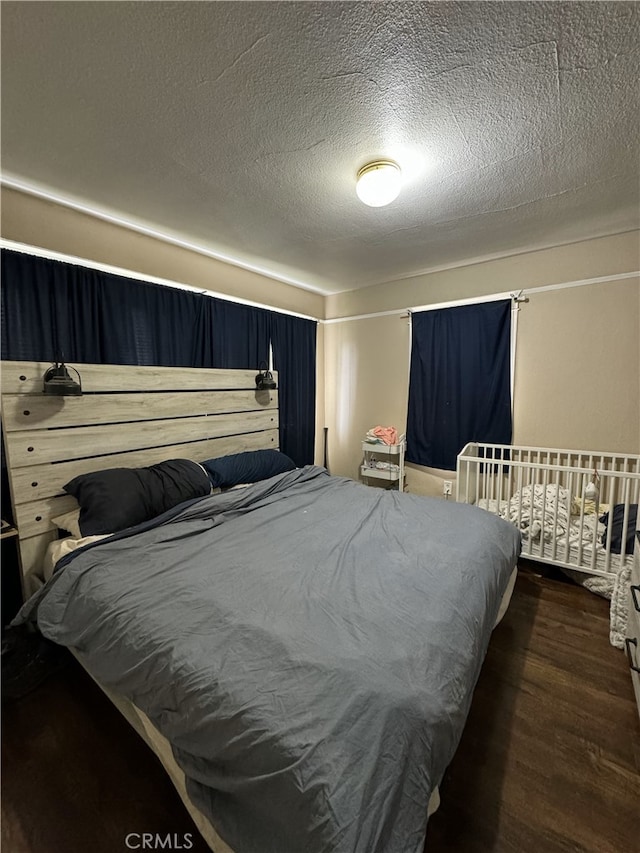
241	338
293	340
50	307
460	381
97	318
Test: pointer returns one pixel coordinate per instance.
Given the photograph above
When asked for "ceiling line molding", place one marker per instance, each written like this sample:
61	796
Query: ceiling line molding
485	259
138	276
148	231
489	297
30	189
39	252
564	285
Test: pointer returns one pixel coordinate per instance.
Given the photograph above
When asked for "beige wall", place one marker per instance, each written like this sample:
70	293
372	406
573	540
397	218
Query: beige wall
577	368
366	384
39	223
578	359
32	220
602	256
578	363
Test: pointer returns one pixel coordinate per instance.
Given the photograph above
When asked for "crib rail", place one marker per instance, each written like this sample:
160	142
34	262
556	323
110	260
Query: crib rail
556	497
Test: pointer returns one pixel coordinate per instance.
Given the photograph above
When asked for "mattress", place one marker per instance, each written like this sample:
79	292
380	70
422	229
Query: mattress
280	635
162	748
583	558
582	532
609	579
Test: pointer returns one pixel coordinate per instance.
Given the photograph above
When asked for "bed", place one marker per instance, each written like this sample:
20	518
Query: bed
576	510
301	653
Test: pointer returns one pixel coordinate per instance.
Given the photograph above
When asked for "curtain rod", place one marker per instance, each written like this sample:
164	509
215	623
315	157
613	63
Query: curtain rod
518	296
472	300
38	252
403	313
523	295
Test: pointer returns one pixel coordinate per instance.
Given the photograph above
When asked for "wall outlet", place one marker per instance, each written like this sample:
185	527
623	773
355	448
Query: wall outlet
447	487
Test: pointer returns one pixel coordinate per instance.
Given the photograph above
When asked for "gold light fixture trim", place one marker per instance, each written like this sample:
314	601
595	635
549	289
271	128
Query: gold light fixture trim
378	183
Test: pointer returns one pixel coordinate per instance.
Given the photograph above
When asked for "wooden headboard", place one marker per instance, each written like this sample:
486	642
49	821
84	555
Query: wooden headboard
127	417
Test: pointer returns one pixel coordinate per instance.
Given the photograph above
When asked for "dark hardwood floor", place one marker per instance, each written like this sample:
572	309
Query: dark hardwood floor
549	761
550	757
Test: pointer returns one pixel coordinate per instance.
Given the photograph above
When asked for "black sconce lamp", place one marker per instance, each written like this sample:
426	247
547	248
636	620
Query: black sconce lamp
264	379
57	382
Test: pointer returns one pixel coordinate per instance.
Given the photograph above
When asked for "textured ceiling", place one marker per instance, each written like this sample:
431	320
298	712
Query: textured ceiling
240	126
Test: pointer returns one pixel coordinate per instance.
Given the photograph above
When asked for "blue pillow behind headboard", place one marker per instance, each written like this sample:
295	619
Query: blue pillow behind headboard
248	467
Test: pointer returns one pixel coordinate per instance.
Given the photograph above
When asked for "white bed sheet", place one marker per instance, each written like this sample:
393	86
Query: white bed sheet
59	548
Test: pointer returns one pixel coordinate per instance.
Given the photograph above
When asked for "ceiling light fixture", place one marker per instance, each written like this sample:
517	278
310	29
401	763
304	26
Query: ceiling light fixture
378	183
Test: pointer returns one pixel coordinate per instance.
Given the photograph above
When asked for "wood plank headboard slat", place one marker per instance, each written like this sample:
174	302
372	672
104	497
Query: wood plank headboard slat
43	481
42	411
33	518
29	447
25	377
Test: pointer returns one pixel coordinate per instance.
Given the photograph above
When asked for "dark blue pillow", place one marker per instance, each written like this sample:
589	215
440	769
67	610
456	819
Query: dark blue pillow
248	467
116	498
617	525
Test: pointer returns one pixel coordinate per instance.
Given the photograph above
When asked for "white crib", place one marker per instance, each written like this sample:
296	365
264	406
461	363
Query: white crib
557	498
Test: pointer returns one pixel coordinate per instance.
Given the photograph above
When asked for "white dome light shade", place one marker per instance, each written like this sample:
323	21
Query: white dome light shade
379	183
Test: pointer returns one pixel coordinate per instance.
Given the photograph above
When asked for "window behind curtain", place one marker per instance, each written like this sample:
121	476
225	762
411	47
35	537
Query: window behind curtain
101	318
49	307
459	383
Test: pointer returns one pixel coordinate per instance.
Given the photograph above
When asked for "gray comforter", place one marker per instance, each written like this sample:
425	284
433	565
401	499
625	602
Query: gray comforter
308	645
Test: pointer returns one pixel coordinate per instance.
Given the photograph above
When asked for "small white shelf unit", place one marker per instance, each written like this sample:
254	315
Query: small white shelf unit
393	454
